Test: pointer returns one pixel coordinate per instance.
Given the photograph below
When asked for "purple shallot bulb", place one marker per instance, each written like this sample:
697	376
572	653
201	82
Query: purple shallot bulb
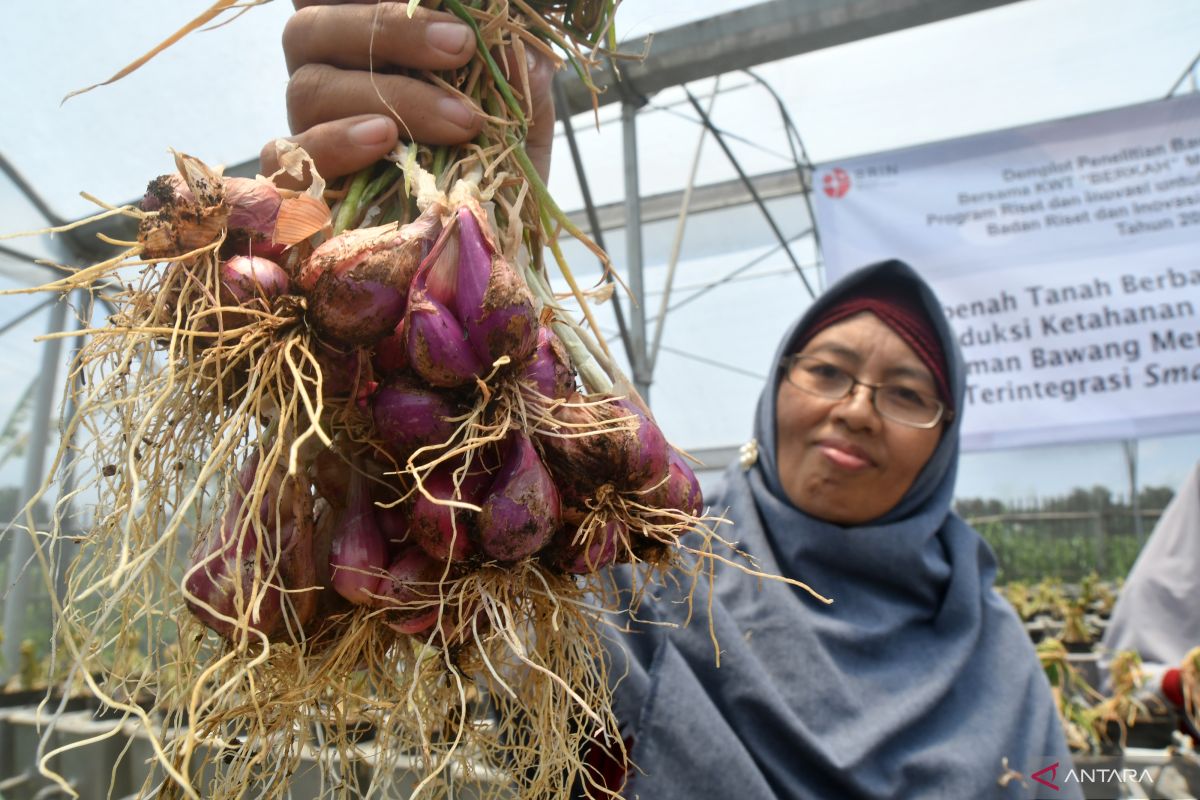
522	509
409	416
438	349
359	553
548	370
491	301
250	282
444	531
410	592
680	490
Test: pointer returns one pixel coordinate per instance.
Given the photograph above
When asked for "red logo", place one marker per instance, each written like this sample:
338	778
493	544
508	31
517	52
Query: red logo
836	183
1053	770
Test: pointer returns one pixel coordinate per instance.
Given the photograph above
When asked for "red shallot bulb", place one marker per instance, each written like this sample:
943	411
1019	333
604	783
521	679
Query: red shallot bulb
410	592
250	282
357	282
443	531
438	349
391	352
601	549
521	511
491	301
548	369
680	490
359	553
604	443
224	584
409	416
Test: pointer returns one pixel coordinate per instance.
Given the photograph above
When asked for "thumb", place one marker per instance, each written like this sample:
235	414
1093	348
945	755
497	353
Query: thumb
342	146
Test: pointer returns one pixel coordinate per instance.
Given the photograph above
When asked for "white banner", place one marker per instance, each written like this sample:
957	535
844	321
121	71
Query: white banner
1067	256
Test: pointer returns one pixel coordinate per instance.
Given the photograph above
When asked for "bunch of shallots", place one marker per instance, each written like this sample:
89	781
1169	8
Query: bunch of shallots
455	435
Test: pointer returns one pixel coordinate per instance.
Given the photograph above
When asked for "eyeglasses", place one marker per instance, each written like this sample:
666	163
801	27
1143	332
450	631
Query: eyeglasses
898	403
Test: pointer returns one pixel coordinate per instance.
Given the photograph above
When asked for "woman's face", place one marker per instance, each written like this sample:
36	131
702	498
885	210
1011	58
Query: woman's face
839	460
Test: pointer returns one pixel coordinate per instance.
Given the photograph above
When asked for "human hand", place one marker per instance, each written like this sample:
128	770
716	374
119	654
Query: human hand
346	106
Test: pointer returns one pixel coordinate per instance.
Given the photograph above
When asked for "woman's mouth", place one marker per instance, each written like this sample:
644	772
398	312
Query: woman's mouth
844	455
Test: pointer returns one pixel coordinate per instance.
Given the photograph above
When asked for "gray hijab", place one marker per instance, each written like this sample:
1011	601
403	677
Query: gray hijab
916	682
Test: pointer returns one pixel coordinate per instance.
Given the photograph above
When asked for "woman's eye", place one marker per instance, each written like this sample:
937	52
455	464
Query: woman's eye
823	371
908	397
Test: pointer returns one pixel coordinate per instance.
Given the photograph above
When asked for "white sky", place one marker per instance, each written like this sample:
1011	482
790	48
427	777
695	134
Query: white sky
219	95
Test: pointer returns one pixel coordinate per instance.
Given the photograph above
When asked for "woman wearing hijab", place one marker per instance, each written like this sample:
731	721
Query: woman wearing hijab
1157	613
918	681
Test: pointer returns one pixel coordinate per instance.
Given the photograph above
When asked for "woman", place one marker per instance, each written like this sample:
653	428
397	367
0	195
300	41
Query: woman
918	680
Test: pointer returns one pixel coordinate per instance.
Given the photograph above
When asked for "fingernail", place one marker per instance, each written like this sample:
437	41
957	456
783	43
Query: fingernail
371	132
449	37
456	111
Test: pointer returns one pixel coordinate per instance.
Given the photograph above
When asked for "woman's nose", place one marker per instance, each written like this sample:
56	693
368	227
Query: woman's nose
858	407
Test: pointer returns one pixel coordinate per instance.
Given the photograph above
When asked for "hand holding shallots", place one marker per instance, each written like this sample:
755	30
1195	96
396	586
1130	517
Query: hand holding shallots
347	118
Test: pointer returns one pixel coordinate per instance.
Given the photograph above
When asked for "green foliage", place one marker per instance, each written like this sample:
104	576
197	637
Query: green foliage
1068	537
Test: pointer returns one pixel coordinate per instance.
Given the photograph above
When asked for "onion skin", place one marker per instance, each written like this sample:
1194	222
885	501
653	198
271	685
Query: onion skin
442	531
649	459
631	456
359	553
409	416
410	593
437	347
491	301
250	282
357	282
391	352
522	508
680	491
354	309
548	369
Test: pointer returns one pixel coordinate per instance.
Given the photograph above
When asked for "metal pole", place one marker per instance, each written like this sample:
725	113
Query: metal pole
680	225
1130	447
590	208
17	595
633	252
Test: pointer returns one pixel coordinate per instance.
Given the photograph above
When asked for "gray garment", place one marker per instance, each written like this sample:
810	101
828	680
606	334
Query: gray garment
1158	611
916	682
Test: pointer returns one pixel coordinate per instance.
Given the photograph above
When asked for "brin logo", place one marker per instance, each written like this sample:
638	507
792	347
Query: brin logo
1039	776
836	183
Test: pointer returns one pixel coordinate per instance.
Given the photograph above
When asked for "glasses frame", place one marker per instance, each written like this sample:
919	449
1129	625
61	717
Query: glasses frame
944	414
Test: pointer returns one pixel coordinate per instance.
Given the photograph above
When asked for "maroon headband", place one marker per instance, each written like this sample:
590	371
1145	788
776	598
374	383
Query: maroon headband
903	315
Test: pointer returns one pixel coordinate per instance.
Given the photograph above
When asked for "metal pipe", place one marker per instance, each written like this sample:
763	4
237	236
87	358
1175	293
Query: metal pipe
35	465
590	209
633	251
1130	446
758	201
680	226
